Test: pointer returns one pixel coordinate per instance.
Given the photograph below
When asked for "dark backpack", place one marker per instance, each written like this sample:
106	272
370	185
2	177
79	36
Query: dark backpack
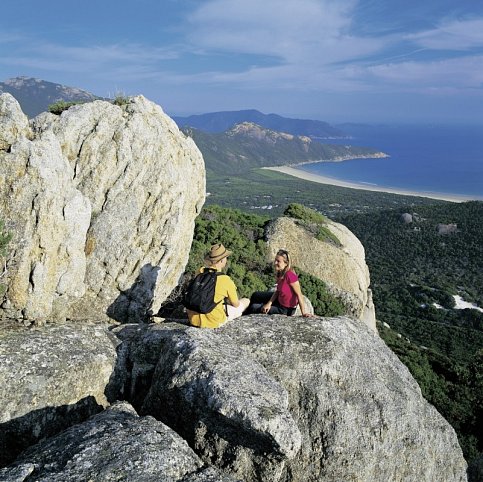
200	294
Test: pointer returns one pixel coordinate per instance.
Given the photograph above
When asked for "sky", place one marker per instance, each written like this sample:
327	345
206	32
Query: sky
372	61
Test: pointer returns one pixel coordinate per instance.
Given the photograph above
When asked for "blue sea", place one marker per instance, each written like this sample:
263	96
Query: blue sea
432	159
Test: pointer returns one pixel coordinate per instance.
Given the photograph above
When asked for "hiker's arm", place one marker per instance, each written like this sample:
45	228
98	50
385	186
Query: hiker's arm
232	295
266	307
298	291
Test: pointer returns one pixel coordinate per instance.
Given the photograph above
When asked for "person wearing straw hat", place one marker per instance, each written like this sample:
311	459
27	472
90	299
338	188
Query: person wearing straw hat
228	305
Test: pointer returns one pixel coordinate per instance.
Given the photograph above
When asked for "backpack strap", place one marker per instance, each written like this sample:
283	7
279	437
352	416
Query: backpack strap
218	273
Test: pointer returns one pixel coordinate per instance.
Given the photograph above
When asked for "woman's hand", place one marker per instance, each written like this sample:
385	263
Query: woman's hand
266	307
308	315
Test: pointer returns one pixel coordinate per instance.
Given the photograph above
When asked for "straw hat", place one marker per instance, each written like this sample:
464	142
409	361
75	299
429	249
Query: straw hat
217	252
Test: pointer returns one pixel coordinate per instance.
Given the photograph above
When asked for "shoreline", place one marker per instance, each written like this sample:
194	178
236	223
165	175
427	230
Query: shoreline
307	176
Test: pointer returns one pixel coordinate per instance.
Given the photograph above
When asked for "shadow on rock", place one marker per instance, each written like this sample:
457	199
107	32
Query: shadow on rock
134	305
22	432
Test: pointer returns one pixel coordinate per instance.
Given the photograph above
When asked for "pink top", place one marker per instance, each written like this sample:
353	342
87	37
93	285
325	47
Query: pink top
286	295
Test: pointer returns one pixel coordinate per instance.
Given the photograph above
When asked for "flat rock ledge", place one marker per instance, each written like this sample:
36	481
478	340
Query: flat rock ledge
52	377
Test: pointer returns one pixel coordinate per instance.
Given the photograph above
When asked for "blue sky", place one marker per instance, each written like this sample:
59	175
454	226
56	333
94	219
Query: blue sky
334	60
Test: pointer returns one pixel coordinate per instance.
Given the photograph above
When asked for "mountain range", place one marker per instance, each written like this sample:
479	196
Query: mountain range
35	95
231	142
222	121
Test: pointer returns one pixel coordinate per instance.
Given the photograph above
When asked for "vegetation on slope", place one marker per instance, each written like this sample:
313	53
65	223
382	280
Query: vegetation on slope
269	192
248	146
248	266
312	221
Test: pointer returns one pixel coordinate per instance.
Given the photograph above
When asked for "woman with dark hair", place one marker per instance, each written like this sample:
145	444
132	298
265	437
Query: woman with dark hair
287	295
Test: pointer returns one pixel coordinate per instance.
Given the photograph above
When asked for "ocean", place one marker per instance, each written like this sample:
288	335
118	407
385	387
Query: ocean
434	159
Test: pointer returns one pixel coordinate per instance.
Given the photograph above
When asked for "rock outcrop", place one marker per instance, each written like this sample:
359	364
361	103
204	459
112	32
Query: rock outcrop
445	229
407	218
116	444
343	268
52	377
292	399
269	398
101	201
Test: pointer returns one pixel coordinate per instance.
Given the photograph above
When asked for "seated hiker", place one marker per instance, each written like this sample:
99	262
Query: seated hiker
287	295
211	299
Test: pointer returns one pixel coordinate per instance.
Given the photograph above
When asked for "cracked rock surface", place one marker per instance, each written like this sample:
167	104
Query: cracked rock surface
101	202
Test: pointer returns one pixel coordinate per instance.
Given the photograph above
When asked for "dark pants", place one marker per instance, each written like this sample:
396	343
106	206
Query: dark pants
259	298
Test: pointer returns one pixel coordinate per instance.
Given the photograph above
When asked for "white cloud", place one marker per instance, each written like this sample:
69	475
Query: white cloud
293	30
454	35
436	76
312	44
129	61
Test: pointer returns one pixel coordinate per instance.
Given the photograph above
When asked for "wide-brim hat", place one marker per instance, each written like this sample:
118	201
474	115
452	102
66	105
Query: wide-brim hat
217	252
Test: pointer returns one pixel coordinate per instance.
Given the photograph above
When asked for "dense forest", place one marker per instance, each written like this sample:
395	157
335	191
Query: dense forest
268	192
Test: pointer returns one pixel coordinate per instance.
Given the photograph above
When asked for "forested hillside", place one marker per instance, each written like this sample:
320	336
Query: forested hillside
248	145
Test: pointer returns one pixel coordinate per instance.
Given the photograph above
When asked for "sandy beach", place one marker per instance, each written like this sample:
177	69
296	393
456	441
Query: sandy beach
291	171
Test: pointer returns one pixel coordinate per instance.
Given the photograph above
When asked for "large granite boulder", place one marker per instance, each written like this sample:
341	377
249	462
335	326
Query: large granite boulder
52	377
118	445
277	398
342	267
101	202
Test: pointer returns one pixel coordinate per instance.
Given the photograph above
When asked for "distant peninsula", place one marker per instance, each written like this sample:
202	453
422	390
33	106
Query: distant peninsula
248	145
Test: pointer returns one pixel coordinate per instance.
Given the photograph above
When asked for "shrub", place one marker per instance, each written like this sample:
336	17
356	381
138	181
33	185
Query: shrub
299	211
313	221
58	107
121	99
324	303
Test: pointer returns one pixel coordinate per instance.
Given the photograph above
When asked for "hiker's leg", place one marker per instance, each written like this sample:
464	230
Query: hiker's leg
253	309
257	300
261	297
277	309
233	312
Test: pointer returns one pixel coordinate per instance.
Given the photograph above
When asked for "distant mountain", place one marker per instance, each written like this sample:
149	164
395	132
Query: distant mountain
248	145
35	95
221	121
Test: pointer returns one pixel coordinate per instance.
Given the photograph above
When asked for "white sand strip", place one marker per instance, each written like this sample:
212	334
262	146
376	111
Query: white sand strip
461	304
308	176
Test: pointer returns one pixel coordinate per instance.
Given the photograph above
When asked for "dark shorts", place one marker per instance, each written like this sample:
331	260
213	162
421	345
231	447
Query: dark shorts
259	298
